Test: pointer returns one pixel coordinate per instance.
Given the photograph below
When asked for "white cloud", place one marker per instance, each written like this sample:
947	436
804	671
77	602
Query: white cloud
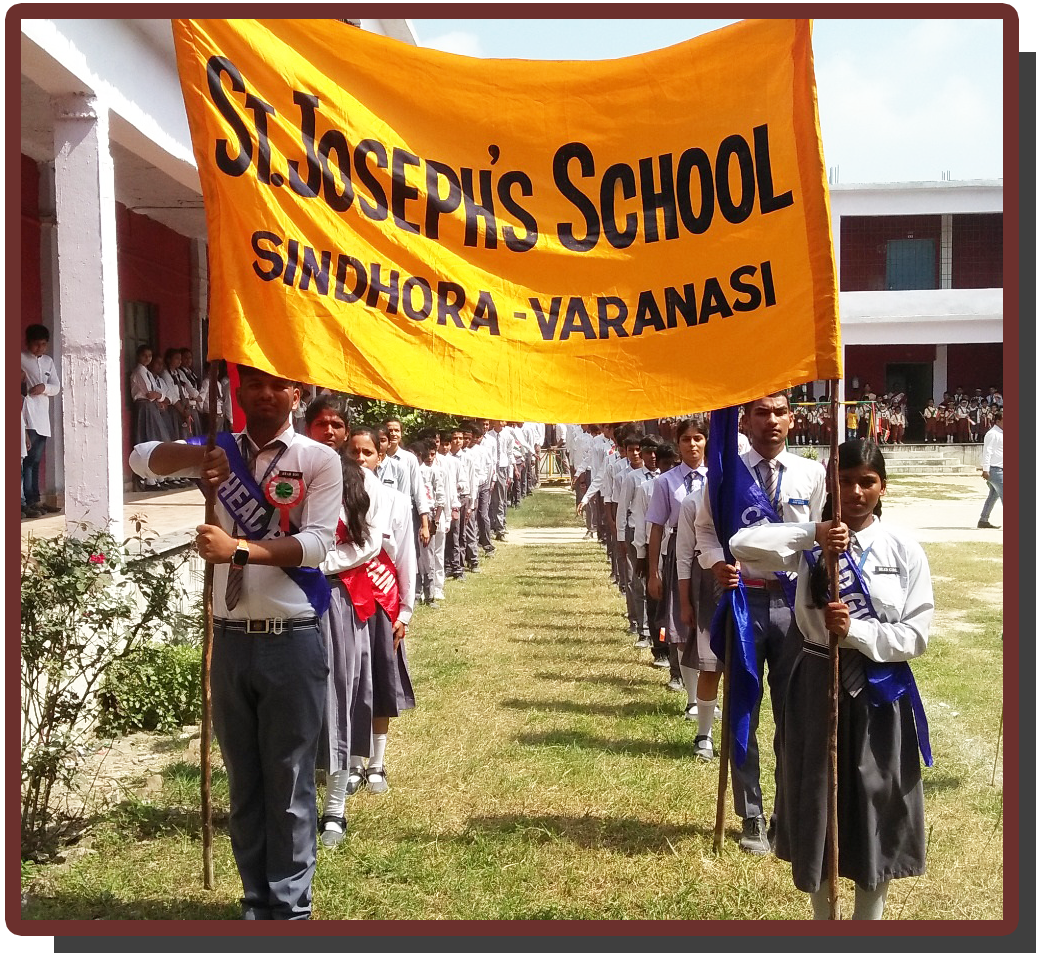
457	41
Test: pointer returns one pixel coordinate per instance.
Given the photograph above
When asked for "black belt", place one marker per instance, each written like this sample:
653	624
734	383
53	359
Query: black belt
266	626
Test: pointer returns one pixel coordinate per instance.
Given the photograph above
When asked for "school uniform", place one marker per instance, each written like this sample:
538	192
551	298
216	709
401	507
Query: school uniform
269	677
880	808
503	444
346	635
391	688
798	495
431	557
704	590
630	483
484	455
37	413
150	423
669	491
639	506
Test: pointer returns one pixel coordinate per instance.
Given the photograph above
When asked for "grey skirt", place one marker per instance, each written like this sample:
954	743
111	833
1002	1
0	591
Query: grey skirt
880	797
704	593
150	423
392	689
348	721
670	604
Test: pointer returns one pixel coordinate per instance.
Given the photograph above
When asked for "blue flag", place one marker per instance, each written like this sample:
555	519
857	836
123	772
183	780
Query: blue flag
726	476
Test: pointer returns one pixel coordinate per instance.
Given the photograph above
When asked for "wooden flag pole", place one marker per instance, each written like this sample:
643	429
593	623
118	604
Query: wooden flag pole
835	661
210	517
726	737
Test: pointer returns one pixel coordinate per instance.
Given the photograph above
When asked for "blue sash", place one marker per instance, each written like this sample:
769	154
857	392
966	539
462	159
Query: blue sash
886	682
243	499
737	501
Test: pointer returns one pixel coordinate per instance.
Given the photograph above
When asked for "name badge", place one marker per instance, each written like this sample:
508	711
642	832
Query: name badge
803	501
886	571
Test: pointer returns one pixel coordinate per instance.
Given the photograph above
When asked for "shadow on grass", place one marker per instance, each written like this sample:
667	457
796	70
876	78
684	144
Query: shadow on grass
633	709
617	681
638	747
104	905
935	783
632	836
143	820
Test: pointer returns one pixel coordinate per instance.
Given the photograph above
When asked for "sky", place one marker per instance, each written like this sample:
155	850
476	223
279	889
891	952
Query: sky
899	100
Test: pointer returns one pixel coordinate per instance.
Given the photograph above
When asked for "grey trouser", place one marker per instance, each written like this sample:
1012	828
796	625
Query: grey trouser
483	516
636	612
996	492
498	500
777	640
269	696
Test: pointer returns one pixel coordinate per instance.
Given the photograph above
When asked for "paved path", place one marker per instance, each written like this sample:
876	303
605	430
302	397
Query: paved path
173	515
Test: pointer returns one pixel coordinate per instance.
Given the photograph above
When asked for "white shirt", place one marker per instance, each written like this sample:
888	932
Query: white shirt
267	591
685	548
142	382
347	555
895	571
802	494
395	523
629	485
39	370
639	505
407	460
993	448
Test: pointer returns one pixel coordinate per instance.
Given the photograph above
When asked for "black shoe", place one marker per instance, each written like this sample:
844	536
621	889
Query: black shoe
754	837
332	830
34	511
986	524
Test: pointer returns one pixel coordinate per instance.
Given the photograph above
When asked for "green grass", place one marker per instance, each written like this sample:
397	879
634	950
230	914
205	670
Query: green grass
547	773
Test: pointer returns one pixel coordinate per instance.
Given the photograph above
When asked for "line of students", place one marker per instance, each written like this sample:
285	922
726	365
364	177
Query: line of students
634	494
409	517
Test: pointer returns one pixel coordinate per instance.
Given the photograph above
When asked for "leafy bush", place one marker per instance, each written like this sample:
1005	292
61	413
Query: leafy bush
87	602
156	688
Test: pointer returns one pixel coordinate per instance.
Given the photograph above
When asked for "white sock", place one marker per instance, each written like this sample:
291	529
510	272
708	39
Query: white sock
356	761
705	716
869	903
377	755
336	783
820	903
690	677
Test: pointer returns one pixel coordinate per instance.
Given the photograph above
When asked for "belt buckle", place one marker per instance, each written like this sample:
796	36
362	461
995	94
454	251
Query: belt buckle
257	626
278	625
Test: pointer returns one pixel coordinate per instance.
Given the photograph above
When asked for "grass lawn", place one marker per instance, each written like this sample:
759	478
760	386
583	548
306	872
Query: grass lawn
547	772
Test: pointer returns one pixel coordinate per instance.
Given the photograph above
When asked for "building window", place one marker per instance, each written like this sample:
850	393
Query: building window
890	253
140	326
978	251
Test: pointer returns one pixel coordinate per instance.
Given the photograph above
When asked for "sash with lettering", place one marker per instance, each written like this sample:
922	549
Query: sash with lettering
253	514
737	501
886	682
371	584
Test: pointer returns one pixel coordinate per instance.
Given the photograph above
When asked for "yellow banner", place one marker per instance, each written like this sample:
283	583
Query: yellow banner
526	240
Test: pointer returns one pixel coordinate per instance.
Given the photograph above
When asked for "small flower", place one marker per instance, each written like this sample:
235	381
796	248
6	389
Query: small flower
97	559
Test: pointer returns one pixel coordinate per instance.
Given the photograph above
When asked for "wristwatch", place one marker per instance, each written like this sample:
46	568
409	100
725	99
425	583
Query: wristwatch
241	555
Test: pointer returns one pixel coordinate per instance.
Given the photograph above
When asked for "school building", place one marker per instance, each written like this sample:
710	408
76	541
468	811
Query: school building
113	251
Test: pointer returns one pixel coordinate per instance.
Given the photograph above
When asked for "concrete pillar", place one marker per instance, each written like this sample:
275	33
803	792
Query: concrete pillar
939	373
89	311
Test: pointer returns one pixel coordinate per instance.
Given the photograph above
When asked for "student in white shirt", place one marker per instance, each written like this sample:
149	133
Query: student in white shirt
796	488
387	689
993	468
42	384
268	712
883	619
358	540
